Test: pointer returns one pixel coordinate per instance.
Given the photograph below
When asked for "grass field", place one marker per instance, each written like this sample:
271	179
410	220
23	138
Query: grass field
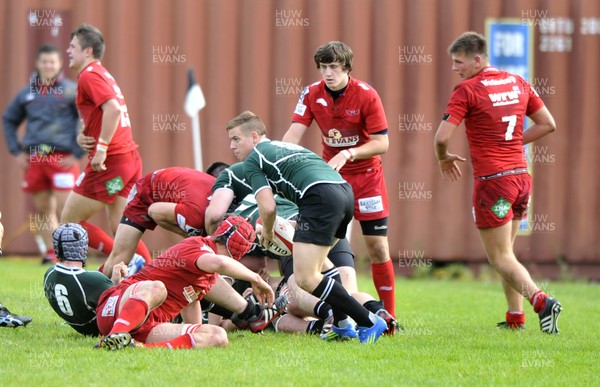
450	339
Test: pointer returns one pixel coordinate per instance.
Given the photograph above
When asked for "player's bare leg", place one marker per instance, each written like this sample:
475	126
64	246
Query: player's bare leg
164	215
498	244
348	276
79	208
383	270
169	335
499	249
124	247
224	295
515	316
114	211
46	220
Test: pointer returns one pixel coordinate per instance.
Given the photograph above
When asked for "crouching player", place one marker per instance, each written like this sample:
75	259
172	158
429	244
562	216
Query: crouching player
173	198
141	307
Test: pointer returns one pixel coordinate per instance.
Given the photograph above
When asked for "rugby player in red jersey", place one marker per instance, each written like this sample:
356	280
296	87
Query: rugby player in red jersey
494	104
115	164
174	198
354	133
141	307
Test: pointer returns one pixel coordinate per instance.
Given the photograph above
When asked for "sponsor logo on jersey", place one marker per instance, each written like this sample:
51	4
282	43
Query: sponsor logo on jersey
370	205
497	82
352	112
337	140
363	86
110	306
334	133
322	101
190	294
506	97
300	109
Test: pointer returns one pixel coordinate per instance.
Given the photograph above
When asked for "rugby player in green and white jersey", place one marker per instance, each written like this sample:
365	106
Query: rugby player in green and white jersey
325	205
72	291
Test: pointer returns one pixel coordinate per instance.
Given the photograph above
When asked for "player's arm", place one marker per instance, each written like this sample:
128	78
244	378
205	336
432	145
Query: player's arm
543	124
447	161
267	208
192	314
294	133
215	263
111	114
219	204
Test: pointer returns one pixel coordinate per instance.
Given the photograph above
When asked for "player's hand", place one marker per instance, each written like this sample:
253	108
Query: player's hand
86	142
69	161
265	237
263	292
97	162
119	272
22	160
337	161
449	168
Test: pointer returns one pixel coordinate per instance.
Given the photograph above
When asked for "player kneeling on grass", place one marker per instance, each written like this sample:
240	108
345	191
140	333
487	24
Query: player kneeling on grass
143	305
73	292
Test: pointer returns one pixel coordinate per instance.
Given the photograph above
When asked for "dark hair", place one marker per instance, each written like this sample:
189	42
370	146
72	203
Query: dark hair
469	43
90	36
216	168
48	49
248	122
335	52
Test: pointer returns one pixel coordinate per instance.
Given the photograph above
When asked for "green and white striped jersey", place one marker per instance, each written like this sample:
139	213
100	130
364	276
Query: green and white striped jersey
288	169
73	294
244	203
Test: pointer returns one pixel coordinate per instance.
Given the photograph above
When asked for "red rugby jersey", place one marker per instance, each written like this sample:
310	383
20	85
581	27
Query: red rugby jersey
96	86
493	104
346	122
176	269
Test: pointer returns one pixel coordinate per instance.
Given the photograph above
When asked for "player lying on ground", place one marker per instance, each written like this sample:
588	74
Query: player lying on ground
325	205
173	198
502	182
143	305
231	191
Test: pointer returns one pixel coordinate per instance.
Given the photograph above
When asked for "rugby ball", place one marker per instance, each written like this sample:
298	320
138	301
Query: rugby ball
283	233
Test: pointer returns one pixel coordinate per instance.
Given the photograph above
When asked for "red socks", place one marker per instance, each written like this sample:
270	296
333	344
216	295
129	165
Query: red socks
538	301
98	239
182	342
515	319
383	278
132	315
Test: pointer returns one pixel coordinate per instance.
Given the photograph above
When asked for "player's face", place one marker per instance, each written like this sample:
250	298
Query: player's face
241	143
466	66
48	65
334	75
77	56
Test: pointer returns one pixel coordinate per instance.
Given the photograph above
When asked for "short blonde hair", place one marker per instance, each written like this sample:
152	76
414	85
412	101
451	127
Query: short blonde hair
248	122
